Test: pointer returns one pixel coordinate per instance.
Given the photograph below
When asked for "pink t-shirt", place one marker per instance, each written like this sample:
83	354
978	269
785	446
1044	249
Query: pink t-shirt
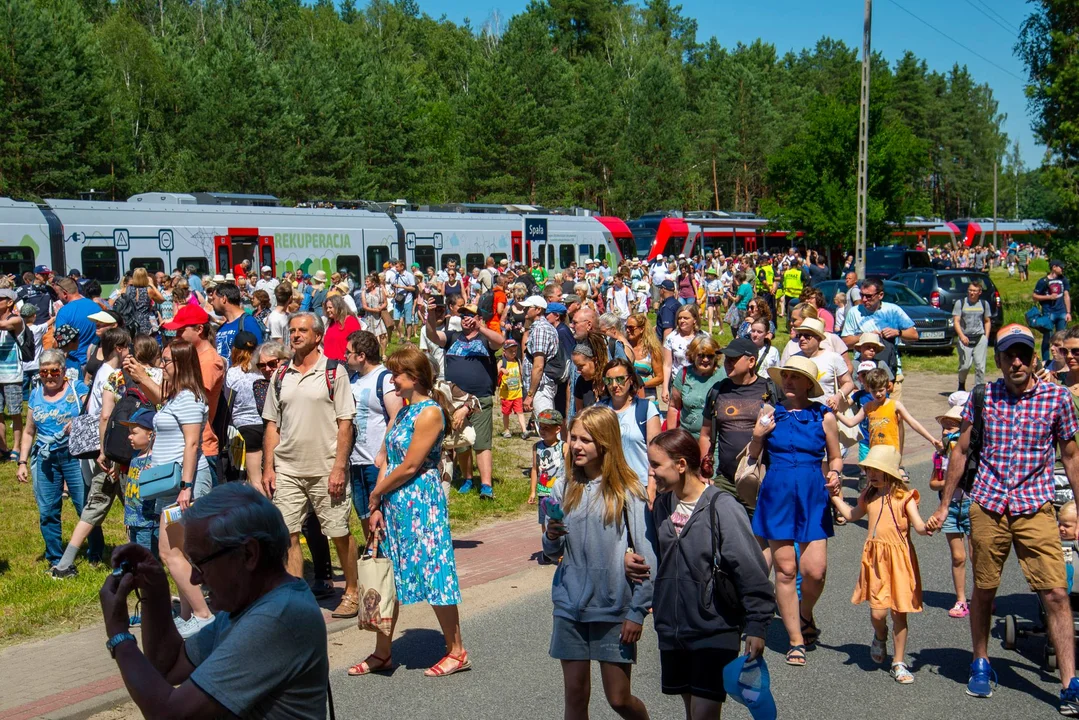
335	341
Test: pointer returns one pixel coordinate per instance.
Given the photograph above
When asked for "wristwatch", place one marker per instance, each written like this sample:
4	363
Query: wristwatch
115	640
185	485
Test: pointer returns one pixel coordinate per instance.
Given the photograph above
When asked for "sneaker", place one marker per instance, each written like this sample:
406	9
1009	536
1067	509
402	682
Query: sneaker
507	434
982	679
487	492
192	626
466	487
525	435
959	610
878	649
57	574
1069	699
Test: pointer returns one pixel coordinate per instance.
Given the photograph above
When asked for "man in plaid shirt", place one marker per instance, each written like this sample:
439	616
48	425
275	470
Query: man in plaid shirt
1024	420
544	369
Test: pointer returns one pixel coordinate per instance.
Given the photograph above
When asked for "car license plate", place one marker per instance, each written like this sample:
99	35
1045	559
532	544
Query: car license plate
931	335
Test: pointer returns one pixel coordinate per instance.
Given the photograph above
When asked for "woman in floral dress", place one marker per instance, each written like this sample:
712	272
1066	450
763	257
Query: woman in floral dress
408	508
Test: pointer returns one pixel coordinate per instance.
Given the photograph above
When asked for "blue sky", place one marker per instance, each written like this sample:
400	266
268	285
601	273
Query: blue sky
795	24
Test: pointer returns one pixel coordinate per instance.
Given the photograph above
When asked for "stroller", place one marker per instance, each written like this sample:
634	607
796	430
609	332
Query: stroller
1012	630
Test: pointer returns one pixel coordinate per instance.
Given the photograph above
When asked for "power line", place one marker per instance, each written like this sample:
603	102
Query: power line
1003	19
953	40
991	18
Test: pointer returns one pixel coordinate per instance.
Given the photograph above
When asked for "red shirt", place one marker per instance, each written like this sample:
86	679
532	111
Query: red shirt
335	341
239	272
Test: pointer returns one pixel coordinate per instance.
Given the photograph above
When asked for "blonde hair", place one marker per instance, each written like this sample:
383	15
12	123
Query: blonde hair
140	278
1066	510
840	299
617	479
701	342
648	338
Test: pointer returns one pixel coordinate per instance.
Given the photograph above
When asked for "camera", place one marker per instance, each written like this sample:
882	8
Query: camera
124	567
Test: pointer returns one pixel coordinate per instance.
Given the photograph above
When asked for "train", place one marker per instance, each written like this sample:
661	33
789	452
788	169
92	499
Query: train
213	232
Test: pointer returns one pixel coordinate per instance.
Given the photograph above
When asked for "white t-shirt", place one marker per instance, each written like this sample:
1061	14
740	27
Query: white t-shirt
770	360
830	367
370	422
184	409
98	388
350	302
244	410
831	342
658	274
269	285
277	324
38	331
618	301
678	344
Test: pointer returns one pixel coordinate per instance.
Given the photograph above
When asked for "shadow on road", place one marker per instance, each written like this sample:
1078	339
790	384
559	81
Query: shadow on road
466	544
418	648
954	664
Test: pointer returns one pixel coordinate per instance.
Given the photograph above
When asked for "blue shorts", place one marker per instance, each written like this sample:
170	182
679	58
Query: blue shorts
404	311
363	479
147	537
572	640
958	520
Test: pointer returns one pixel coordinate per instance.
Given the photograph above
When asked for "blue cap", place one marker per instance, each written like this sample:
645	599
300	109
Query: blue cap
143	418
748	682
667	285
556	307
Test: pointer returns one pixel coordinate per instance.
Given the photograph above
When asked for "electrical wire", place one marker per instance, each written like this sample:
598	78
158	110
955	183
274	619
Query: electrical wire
1002	18
1007	29
953	40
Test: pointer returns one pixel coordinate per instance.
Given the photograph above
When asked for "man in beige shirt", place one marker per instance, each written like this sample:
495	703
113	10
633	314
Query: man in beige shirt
305	462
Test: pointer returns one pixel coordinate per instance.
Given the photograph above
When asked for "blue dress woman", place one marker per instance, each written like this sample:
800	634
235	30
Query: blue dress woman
408	509
794	440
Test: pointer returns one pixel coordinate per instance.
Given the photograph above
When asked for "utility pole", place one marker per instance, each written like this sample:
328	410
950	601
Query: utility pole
863	144
995	246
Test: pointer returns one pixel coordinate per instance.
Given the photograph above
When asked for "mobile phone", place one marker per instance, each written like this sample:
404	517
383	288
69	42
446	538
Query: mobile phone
552	509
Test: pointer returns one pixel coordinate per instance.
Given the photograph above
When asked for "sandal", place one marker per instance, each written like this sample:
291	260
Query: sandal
878	649
837	519
959	610
810	632
438	670
901	673
366	668
349	607
797	656
906	481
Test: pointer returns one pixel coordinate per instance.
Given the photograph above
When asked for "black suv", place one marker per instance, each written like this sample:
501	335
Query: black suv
942	288
886	261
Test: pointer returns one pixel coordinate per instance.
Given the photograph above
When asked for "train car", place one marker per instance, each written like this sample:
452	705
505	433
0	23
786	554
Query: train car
670	235
164	231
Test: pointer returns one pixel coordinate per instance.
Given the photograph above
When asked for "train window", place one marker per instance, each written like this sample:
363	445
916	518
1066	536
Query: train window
101	264
674	246
266	256
565	255
377	255
550	256
350	263
201	265
584	251
223	257
474	260
447	258
15	261
425	257
152	265
601	252
499	257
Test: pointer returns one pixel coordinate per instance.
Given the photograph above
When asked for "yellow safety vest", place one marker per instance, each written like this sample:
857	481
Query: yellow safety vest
769	278
792	283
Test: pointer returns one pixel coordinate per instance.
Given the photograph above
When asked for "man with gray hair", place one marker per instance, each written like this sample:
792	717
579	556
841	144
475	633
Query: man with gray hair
304	462
194	282
264	656
614	327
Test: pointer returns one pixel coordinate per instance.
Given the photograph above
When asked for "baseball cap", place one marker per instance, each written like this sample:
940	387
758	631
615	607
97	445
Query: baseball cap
748	682
143	418
556	307
267	268
8	293
1057	263
535	301
570	299
244	340
549	417
510	342
42	270
65	334
866	366
1012	334
469	310
740	347
186	316
667	285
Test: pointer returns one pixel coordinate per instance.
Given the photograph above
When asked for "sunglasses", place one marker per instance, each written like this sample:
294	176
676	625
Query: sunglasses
706	356
267	365
618	380
1074	352
50	373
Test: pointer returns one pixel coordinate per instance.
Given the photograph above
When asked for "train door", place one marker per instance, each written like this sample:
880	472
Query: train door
243	244
223	254
520	250
267	256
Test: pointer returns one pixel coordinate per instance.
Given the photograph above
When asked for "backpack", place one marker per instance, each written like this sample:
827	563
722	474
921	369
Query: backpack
974	449
25	342
331	375
486	305
557	369
116	445
124	306
378	392
640	411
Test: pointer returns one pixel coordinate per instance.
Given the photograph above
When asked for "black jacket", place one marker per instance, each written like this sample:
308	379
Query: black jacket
685	615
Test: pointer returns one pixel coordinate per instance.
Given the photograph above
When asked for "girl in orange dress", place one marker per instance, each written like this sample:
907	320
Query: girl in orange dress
889	578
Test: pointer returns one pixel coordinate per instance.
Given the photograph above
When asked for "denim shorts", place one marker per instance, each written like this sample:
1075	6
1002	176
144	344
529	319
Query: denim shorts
958	519
363	479
147	537
572	640
404	311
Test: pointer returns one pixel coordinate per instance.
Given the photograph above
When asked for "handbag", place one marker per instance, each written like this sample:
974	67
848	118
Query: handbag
748	478
848	436
721	590
84	439
378	592
160	481
1037	320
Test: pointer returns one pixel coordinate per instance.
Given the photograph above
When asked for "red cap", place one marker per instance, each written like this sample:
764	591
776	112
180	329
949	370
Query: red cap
187	316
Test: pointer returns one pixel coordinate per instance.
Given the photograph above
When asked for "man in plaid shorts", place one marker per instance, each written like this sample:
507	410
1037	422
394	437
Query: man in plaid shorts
1024	420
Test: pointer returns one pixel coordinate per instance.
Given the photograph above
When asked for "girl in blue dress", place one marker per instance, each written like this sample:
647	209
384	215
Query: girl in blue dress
408	508
793	505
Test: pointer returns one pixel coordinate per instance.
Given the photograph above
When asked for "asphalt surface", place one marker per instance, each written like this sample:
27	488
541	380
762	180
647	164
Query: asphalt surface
513	677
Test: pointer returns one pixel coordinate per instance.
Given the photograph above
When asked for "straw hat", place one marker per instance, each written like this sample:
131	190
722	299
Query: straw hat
812	326
954	413
869	339
884	458
801	365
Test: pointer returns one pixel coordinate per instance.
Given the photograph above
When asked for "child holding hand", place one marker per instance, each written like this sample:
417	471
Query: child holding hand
889	578
957	525
548	462
1067	520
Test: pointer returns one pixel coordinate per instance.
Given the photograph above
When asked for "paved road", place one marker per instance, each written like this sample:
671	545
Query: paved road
507	631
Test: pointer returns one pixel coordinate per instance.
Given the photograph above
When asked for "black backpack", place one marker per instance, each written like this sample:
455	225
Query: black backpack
124	306
977	436
115	445
25	342
486	305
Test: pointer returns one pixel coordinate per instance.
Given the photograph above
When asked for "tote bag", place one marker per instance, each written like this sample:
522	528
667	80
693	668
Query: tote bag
84	440
378	593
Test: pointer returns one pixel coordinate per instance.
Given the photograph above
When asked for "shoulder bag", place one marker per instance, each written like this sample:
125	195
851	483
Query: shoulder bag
848	436
84	440
748	477
377	590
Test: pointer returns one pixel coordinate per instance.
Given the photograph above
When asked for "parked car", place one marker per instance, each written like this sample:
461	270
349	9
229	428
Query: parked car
935	331
941	288
886	261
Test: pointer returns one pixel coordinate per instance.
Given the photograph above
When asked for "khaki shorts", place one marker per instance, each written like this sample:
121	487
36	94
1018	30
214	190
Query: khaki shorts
897	388
294	495
103	491
482	422
1037	546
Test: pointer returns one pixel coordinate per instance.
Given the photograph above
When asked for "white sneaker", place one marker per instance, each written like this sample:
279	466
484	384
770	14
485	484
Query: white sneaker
194	625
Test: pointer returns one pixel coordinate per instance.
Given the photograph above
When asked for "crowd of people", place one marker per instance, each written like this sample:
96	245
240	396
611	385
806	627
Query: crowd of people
659	458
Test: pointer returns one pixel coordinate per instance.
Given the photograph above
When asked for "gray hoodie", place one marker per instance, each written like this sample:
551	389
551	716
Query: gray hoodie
590	584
